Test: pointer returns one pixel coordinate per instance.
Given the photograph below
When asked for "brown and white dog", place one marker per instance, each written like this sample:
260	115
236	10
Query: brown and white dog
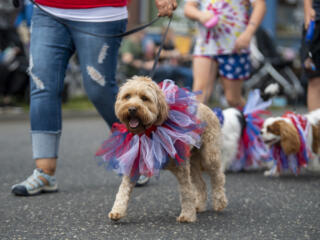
141	104
283	131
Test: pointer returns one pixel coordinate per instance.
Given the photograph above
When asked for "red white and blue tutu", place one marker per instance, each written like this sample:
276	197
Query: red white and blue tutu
145	154
251	149
294	162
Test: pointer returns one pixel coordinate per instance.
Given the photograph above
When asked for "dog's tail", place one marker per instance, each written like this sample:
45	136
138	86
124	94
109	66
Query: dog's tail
260	100
270	91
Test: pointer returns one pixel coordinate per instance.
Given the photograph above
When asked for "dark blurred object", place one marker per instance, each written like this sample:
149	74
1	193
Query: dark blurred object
8	14
173	64
270	66
13	65
16	3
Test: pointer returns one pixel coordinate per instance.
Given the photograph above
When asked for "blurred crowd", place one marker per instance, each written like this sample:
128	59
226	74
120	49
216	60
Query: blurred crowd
138	52
136	57
14	40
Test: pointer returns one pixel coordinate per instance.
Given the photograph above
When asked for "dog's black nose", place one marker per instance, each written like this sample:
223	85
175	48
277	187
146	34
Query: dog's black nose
132	110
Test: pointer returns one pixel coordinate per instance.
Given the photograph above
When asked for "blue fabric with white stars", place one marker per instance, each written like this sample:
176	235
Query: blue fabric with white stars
234	66
219	114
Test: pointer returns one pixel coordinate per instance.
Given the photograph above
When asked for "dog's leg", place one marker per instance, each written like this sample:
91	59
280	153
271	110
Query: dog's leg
187	197
120	205
212	164
272	172
199	184
219	198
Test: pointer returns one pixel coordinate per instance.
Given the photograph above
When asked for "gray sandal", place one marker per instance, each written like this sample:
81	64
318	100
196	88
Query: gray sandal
34	185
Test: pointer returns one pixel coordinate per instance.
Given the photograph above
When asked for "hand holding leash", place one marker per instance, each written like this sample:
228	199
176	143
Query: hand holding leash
166	7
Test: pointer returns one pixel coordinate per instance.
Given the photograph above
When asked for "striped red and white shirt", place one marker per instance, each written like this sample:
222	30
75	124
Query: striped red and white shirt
82	3
86	10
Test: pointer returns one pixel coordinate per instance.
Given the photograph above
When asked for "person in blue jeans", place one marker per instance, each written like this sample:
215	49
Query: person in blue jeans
312	13
51	46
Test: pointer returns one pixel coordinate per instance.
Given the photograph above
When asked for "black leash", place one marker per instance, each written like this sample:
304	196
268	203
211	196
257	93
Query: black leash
156	60
16	4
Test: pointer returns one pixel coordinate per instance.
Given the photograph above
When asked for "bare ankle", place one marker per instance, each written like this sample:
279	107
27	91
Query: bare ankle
48	165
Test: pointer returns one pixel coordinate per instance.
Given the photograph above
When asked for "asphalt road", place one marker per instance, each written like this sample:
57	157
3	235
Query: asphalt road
259	207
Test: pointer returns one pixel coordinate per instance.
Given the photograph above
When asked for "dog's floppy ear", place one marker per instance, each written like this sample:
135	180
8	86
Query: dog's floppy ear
289	141
316	138
162	107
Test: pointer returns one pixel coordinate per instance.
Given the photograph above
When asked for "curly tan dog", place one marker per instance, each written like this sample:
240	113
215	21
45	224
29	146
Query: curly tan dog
141	104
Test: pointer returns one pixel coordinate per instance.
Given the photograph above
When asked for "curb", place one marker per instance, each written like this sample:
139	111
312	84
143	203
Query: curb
10	115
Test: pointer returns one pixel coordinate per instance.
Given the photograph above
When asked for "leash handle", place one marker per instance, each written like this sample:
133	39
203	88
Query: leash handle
156	60
310	31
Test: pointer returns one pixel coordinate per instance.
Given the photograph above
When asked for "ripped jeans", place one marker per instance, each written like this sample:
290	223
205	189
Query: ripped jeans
52	45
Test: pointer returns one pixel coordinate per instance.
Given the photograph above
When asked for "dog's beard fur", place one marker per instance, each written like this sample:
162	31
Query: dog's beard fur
140	104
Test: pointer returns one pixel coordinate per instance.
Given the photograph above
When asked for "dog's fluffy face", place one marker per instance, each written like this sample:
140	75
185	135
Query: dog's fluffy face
281	130
140	104
269	133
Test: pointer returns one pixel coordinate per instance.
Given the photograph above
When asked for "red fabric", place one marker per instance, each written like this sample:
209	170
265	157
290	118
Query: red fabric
82	3
302	120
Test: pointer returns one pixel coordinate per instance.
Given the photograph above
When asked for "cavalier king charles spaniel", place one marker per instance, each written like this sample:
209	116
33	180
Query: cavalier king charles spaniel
294	142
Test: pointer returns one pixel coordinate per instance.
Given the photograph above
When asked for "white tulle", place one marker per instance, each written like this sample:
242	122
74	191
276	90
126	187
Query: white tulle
168	88
126	160
255	102
146	157
180	118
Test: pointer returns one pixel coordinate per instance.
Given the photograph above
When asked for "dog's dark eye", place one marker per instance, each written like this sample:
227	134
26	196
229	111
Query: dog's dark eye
127	96
144	98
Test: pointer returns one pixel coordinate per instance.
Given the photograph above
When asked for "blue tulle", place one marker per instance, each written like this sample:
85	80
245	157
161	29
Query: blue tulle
146	154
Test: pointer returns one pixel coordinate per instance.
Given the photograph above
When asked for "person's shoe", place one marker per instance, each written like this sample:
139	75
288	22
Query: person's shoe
143	180
34	185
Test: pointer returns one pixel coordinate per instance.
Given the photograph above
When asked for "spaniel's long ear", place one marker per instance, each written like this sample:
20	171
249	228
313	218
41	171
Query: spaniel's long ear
316	138
289	141
162	107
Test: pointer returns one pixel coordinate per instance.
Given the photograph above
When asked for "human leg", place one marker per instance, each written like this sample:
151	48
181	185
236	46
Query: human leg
233	92
98	61
313	96
204	75
49	55
233	70
312	71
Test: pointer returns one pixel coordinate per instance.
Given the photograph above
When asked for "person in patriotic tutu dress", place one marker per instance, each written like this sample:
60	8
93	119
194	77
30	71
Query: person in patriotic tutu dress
223	47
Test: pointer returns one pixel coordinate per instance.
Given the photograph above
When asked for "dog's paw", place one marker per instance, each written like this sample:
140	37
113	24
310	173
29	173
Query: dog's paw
201	208
271	173
115	216
186	219
220	202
